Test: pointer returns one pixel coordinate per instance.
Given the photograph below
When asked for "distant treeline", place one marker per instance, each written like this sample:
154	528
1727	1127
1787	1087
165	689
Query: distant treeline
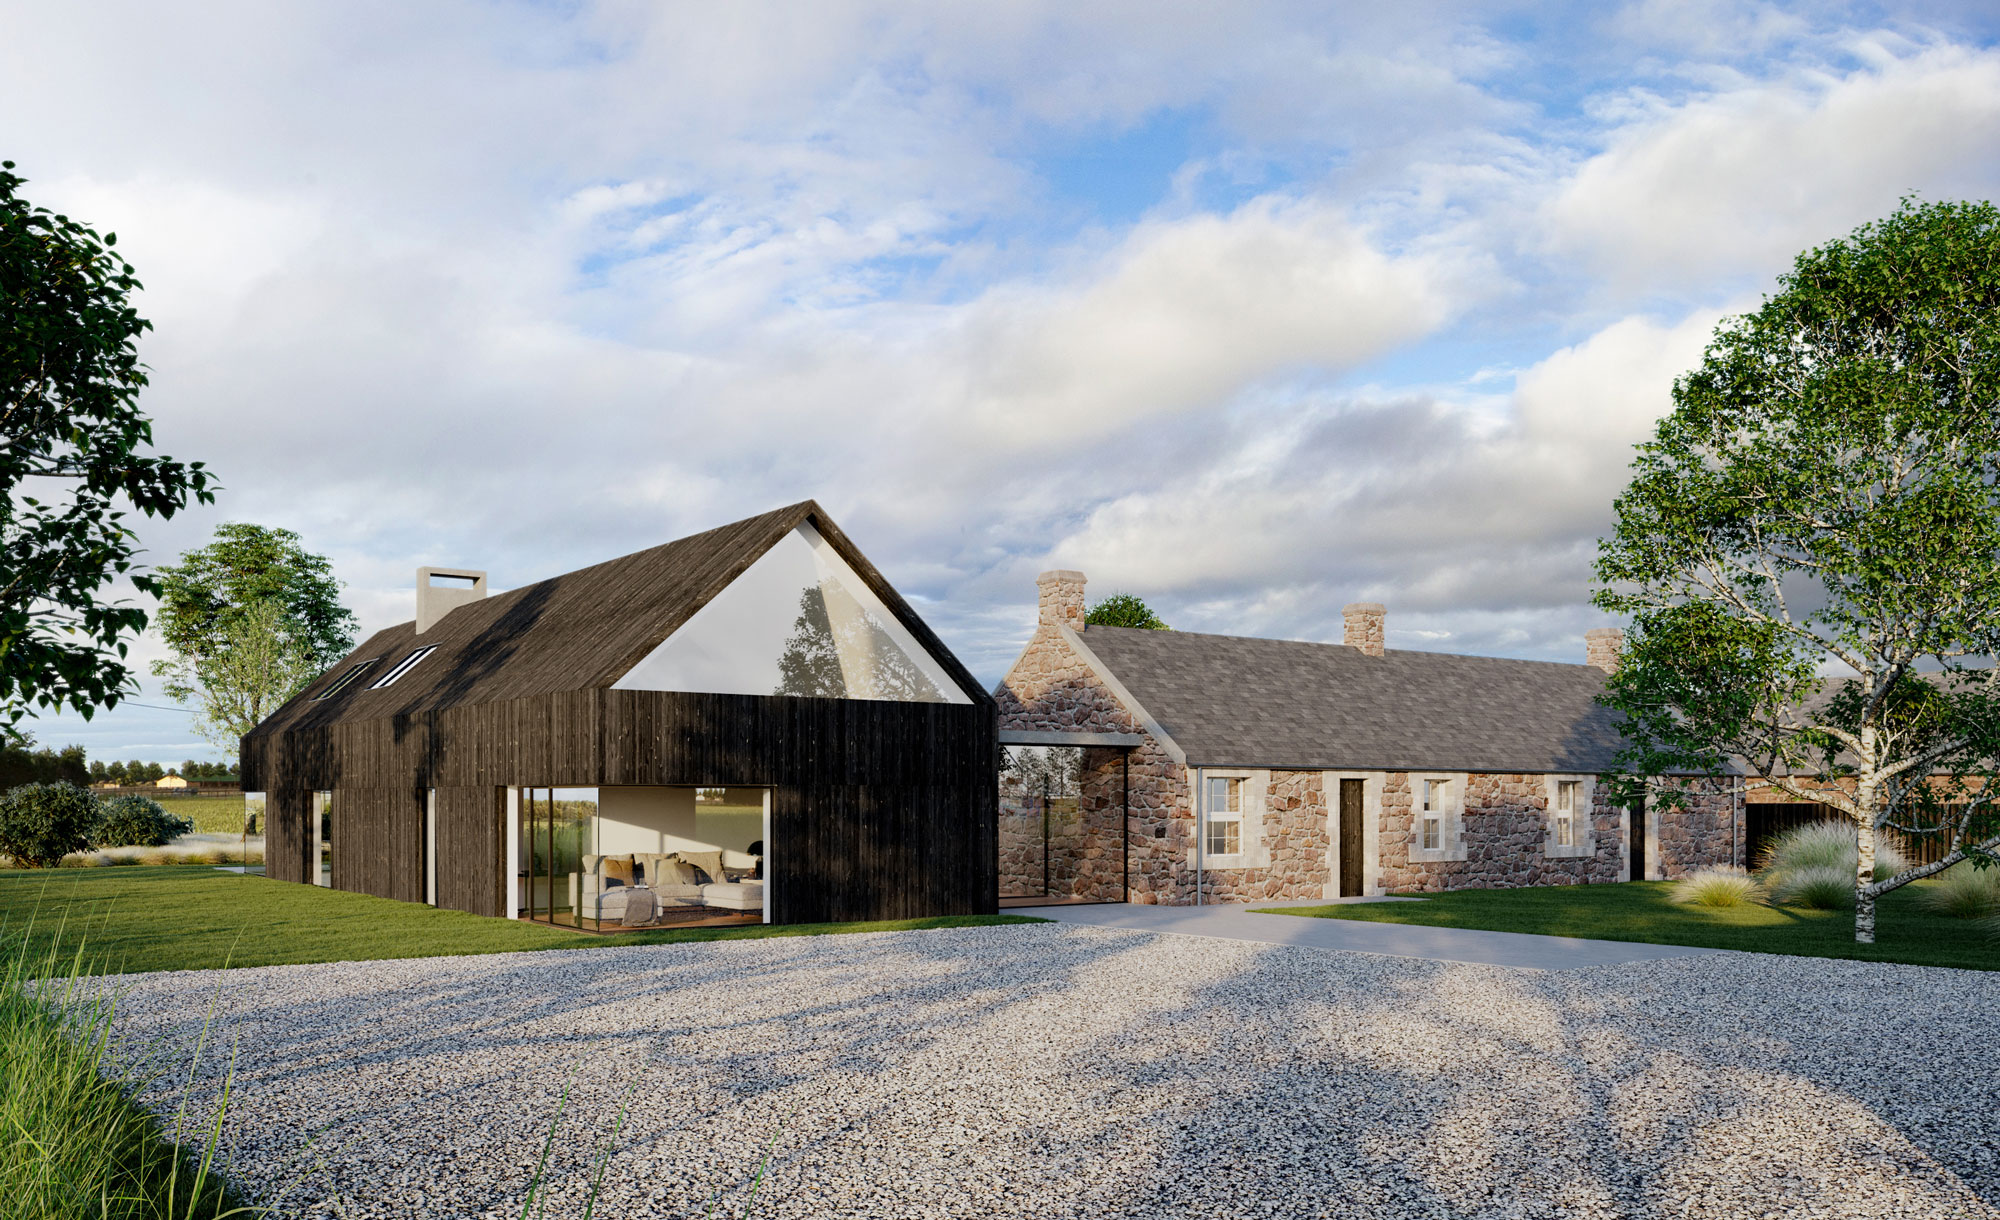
26	764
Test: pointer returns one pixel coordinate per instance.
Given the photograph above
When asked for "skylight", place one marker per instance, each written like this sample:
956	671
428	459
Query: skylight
345	680
403	666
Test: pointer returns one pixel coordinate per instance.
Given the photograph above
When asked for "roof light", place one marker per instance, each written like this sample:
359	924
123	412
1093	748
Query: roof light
345	680
403	666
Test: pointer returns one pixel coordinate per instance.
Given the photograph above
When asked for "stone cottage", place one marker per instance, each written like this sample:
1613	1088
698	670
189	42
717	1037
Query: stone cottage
1212	768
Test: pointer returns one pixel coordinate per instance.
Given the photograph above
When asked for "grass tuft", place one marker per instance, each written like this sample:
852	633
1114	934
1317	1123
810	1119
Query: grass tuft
76	1143
1718	887
1825	845
1822	887
1964	892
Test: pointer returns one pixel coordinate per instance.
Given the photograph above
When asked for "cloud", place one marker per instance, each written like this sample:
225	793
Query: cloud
1423	503
1736	183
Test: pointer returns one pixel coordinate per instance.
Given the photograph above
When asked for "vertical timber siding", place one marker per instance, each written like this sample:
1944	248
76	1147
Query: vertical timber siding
880	810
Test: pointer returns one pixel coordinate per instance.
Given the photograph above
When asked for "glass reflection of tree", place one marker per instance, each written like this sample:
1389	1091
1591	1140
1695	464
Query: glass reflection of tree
855	659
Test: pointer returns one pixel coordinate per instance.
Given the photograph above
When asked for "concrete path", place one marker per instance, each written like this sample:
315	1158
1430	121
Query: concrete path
1236	922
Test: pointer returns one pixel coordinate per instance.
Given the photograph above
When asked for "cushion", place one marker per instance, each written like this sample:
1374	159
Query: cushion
669	870
617	868
742	896
685	894
709	862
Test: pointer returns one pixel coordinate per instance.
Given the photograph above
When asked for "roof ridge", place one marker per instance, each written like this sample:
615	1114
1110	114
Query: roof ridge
1270	639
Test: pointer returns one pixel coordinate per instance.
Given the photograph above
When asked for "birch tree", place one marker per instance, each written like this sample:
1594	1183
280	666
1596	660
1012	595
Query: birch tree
1809	549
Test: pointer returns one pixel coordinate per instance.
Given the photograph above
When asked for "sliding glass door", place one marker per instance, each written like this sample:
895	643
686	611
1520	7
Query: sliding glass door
559	829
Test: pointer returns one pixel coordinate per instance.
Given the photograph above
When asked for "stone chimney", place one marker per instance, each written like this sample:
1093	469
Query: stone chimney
1361	626
1601	646
435	600
1062	598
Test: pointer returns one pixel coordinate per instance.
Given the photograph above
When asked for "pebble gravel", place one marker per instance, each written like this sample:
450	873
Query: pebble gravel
1047	1071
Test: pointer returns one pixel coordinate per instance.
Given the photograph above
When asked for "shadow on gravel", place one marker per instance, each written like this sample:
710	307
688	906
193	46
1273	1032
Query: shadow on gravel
1698	1086
1039	1071
418	1049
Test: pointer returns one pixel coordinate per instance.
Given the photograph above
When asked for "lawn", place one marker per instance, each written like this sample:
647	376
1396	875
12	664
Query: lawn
173	917
1644	911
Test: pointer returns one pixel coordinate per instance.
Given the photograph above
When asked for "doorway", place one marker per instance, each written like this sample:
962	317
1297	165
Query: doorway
1637	834
1350	838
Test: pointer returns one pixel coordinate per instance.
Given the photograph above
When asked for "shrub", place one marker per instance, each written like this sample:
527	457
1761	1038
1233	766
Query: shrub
137	821
42	823
1718	887
1824	845
1820	887
1964	892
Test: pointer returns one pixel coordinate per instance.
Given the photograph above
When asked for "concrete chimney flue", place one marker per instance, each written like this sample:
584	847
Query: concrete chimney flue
1602	646
1062	598
435	600
1361	626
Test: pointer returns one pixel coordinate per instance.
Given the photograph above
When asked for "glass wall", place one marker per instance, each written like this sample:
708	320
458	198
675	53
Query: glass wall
798	622
637	856
322	816
559	829
1062	825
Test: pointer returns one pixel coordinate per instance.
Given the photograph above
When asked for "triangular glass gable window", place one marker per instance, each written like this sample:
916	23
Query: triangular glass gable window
799	621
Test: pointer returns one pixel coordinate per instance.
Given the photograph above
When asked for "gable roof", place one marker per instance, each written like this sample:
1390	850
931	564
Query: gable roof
1237	701
578	631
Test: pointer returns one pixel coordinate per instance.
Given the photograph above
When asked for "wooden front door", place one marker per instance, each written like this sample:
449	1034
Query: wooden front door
1350	838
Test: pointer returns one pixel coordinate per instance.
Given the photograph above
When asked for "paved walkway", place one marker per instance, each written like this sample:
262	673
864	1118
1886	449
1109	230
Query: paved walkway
1236	922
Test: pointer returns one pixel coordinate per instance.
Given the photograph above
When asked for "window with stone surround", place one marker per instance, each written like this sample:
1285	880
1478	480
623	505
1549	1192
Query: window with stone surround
1566	812
1437	808
1224	810
1570	829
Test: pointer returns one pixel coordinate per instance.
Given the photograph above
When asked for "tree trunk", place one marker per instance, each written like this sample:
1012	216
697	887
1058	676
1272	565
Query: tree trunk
1867	790
1864	883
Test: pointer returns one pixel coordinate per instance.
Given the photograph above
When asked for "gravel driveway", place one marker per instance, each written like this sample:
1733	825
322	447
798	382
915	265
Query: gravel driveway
1043	1071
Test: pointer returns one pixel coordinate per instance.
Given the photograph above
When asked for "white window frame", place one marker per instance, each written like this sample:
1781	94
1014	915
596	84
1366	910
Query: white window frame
1450	818
1214	819
347	678
1583	825
403	666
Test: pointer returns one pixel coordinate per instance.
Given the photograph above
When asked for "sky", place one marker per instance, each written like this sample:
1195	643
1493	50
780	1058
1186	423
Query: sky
1248	309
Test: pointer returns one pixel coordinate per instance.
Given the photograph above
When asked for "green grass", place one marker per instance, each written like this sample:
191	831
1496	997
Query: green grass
74	1143
178	917
1644	911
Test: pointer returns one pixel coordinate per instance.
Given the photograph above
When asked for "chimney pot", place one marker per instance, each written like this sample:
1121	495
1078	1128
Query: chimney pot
1061	598
1602	646
1361	626
434	601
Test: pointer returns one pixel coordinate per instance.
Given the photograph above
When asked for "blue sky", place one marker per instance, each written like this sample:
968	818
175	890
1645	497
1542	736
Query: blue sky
1252	310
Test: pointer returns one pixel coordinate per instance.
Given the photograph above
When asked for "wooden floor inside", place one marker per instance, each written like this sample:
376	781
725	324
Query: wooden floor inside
707	918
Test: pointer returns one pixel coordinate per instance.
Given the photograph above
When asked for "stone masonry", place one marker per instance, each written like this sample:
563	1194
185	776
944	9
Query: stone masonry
1504	821
1506	832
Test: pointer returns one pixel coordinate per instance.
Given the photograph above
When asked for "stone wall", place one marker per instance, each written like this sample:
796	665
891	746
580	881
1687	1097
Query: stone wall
1288	841
1707	833
1505	826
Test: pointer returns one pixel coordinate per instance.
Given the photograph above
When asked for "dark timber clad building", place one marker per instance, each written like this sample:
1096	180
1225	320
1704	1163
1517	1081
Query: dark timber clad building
747	723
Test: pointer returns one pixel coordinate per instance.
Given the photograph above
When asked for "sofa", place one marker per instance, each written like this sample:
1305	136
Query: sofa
723	880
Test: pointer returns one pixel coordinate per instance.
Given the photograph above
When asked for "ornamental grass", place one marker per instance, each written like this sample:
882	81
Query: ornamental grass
1719	887
1964	892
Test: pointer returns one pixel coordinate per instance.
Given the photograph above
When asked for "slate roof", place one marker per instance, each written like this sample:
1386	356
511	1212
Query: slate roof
576	631
1236	701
